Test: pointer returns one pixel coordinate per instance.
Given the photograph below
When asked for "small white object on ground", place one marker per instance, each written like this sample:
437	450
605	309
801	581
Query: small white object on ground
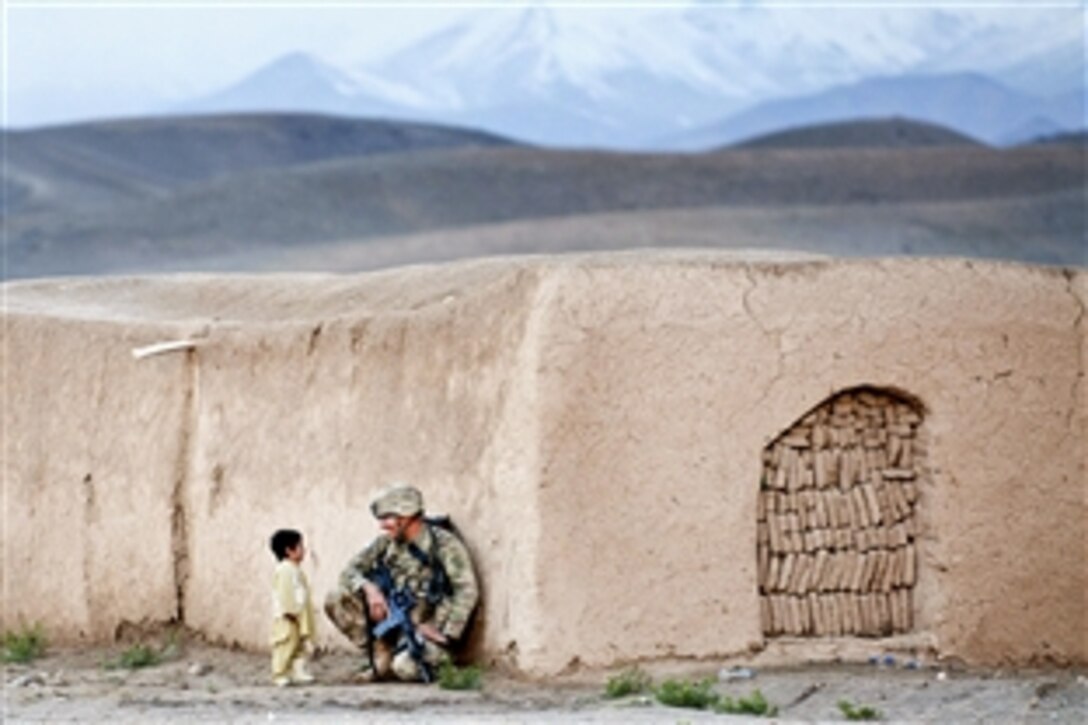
199	669
30	678
735	673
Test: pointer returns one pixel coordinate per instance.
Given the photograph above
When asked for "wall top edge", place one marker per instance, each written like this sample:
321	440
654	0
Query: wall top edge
300	298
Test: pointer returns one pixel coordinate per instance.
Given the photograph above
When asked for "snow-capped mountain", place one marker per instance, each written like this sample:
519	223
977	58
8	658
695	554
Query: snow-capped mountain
617	77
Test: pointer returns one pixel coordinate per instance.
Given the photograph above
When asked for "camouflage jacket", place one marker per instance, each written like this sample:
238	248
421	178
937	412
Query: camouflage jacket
452	612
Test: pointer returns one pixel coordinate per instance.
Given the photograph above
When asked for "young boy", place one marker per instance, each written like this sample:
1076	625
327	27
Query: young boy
292	611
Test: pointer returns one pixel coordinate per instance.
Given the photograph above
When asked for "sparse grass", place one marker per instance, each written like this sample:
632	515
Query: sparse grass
755	704
859	712
629	682
26	645
700	696
452	677
135	657
695	695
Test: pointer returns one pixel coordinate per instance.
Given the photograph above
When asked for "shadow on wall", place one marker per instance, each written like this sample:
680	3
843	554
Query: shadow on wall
837	518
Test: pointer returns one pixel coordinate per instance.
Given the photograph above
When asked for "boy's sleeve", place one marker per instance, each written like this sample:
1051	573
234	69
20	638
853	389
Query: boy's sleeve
284	597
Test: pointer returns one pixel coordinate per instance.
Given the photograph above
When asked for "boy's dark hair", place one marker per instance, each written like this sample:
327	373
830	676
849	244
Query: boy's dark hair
283	540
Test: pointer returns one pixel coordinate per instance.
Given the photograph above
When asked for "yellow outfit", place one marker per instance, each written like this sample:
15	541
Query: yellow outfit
290	635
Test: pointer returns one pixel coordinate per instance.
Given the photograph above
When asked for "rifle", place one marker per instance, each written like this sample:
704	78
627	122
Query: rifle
397	627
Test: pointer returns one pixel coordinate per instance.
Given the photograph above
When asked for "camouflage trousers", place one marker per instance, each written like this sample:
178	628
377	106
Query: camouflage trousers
347	613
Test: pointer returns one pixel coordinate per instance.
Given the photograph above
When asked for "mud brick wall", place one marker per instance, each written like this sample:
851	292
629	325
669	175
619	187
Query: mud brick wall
836	515
652	455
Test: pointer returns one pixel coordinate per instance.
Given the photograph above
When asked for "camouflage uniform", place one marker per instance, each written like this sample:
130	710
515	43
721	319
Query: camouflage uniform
345	606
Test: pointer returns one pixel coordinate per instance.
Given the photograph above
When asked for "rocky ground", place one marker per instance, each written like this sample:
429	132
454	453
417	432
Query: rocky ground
201	683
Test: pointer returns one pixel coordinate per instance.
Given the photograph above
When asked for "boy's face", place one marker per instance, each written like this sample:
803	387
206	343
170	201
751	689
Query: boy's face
297	552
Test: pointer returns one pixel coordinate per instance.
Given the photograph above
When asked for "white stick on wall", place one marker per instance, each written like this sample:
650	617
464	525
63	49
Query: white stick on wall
162	347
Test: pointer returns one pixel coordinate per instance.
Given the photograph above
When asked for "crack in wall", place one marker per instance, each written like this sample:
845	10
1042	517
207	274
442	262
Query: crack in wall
776	336
179	523
1078	323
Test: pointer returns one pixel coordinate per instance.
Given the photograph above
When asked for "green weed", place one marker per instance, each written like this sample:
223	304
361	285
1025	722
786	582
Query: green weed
696	695
135	657
452	677
26	645
629	682
755	704
859	712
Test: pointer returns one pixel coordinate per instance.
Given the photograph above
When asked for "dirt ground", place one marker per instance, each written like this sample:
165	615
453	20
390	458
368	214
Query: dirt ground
197	682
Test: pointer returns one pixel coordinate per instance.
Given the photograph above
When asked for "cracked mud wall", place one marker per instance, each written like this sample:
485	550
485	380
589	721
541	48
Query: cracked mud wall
594	423
663	381
298	422
90	460
1078	427
302	397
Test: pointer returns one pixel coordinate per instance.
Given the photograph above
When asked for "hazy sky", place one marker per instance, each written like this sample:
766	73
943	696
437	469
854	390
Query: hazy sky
196	45
93	56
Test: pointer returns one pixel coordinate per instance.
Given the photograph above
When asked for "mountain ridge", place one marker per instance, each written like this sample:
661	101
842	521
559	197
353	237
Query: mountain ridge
574	80
383	195
969	103
78	165
894	132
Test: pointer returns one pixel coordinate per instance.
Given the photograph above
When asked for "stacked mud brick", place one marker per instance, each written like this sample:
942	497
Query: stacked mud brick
836	515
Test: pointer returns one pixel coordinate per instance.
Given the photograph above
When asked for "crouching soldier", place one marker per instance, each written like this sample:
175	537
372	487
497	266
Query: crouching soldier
406	599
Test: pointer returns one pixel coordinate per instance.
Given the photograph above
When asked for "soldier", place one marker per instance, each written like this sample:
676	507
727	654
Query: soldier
415	556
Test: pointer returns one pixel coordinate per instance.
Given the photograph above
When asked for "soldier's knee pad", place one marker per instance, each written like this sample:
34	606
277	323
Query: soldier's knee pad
405	668
335	602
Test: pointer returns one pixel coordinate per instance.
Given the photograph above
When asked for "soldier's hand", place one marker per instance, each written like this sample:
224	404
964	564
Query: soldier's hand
431	632
375	602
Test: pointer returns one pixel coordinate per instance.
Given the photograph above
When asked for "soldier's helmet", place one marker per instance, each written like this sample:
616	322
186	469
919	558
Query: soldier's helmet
399	499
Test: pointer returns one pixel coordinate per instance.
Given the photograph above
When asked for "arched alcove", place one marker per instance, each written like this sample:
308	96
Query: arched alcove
837	519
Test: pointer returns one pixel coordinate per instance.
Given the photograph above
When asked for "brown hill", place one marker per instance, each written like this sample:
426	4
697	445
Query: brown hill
782	197
873	133
82	165
1044	229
